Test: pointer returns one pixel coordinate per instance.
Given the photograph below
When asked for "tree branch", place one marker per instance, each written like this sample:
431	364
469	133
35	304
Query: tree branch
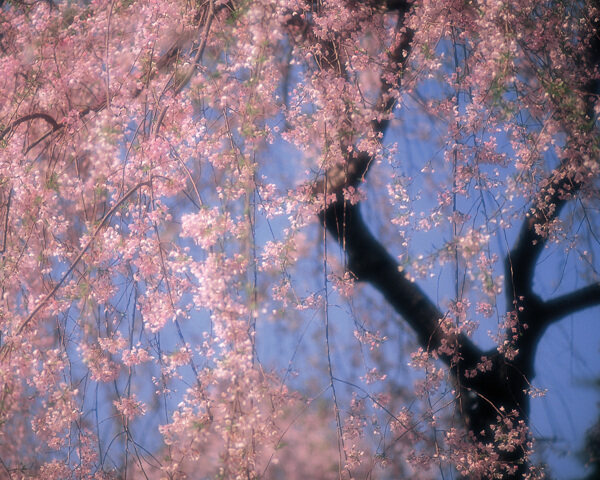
561	186
370	262
44	116
357	165
522	259
570	303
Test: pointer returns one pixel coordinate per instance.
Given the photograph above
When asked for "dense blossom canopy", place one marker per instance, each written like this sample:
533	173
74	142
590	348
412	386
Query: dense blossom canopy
196	194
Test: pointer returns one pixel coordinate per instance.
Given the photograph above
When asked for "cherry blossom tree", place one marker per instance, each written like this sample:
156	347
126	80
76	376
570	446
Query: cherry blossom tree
258	239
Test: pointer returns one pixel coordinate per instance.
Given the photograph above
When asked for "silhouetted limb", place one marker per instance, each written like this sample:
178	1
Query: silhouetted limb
570	303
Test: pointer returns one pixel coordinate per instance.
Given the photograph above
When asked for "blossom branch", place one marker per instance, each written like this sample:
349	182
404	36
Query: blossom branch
165	60
80	255
200	52
195	61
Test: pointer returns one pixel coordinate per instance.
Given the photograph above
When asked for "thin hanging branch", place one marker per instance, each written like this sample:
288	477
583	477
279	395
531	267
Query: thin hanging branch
78	258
